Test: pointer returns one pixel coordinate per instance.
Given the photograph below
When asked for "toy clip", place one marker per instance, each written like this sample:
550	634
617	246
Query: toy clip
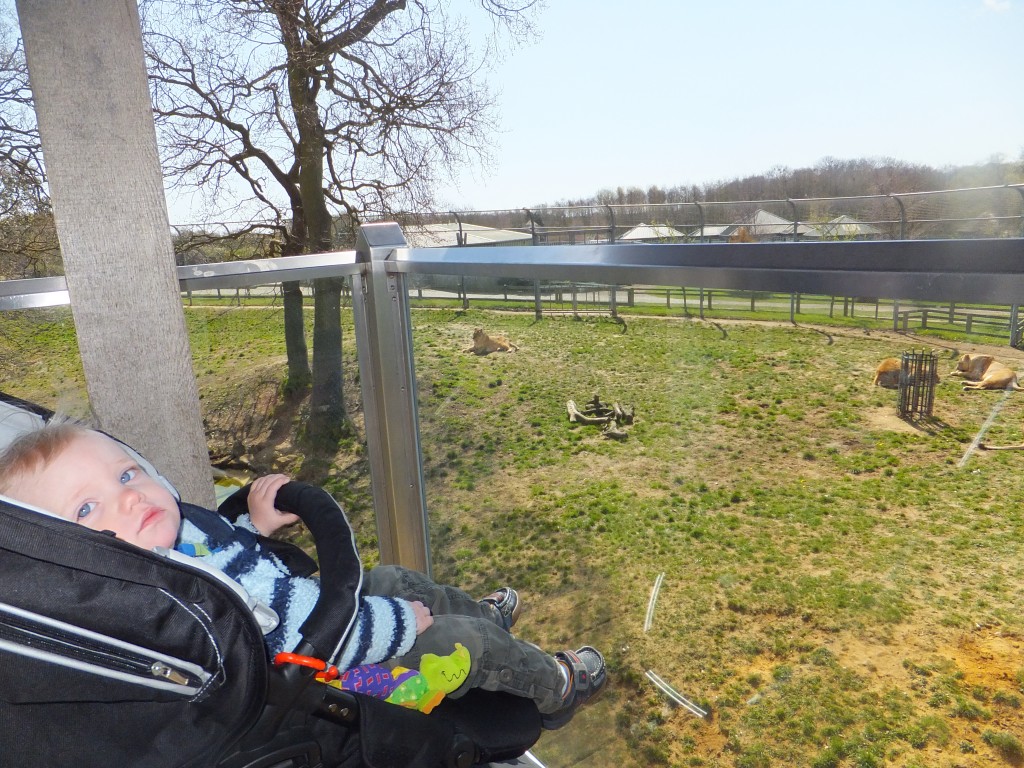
325	672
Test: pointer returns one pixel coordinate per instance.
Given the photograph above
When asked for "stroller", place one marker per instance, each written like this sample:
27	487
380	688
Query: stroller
112	655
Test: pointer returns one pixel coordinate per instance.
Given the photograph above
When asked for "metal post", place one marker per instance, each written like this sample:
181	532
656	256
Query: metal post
460	236
1020	191
383	327
903	216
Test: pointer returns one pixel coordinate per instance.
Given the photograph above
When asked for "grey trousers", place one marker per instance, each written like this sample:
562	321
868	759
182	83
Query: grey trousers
498	661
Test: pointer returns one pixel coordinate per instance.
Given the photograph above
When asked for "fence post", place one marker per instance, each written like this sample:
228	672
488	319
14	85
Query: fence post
383	329
1014	325
537	308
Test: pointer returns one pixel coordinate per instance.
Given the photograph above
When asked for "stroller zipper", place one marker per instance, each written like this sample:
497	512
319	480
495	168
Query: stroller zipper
56	642
168	673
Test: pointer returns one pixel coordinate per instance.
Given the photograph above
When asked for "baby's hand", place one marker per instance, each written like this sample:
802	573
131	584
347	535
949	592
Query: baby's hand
266	518
423	617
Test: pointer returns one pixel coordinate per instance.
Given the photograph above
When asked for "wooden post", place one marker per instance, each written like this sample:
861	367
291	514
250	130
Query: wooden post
95	117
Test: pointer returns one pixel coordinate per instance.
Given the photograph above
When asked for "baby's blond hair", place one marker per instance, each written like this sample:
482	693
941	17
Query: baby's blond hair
34	451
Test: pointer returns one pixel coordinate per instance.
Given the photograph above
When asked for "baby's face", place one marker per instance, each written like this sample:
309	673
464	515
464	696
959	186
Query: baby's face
93	481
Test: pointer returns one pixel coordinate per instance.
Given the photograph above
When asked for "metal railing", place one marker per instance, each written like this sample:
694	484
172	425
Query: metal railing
972	271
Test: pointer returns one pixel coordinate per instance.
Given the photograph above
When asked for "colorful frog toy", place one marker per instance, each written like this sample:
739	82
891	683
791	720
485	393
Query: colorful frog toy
421	689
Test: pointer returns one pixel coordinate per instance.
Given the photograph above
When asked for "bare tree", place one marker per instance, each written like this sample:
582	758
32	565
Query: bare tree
28	241
315	115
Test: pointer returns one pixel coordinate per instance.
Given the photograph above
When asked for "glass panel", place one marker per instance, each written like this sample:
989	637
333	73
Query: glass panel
39	359
768	543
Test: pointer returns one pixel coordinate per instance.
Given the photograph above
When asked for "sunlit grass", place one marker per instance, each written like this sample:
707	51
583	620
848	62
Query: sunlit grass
837	591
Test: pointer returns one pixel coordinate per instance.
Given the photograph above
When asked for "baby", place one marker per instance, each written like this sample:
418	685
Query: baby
89	478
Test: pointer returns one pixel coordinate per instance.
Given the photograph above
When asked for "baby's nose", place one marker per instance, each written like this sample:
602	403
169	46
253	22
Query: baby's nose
129	498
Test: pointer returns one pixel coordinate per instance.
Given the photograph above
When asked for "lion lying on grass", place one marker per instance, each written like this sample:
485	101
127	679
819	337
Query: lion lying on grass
985	372
484	344
888	373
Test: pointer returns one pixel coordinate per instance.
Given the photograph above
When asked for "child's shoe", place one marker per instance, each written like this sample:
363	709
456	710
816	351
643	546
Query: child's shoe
506	602
587	677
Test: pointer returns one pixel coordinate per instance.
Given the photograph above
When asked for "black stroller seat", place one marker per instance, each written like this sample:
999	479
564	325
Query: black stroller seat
113	655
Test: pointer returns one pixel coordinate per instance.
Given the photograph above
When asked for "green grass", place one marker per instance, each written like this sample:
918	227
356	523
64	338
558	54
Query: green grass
837	590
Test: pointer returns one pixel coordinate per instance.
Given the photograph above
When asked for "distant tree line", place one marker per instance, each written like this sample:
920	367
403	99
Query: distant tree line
830	177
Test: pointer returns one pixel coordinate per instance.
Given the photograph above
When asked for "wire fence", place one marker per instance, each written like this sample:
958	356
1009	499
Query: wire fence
977	212
980	212
974	213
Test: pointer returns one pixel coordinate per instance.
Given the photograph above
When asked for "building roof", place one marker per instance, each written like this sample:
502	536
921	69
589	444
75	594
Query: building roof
643	232
763	224
846	226
712	230
446	235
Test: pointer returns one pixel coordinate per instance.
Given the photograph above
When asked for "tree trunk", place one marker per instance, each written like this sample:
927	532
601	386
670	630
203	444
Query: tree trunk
327	407
295	338
95	117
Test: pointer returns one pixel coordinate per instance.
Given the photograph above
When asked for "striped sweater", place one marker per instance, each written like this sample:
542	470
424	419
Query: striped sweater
385	627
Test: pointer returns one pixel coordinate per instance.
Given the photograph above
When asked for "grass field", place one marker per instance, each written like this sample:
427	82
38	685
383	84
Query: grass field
840	588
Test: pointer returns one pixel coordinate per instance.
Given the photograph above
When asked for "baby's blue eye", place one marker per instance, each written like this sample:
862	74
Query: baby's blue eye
127	475
85	509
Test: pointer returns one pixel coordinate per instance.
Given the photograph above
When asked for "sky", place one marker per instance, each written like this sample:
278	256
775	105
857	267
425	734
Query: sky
680	92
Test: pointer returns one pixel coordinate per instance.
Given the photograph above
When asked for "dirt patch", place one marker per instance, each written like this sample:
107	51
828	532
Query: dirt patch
989	658
888	419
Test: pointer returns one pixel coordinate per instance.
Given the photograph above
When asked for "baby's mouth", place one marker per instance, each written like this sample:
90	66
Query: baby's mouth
151	516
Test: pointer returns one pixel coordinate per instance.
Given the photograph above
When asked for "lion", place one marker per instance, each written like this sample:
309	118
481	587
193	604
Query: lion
484	344
985	372
889	373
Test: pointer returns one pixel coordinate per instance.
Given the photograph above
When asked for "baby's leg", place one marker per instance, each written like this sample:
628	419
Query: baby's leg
498	661
395	581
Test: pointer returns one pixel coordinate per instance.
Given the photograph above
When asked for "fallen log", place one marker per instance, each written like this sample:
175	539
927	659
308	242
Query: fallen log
579	418
623	416
614	433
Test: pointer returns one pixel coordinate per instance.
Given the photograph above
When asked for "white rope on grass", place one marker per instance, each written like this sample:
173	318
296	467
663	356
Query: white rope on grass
528	755
650	603
984	428
673	694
